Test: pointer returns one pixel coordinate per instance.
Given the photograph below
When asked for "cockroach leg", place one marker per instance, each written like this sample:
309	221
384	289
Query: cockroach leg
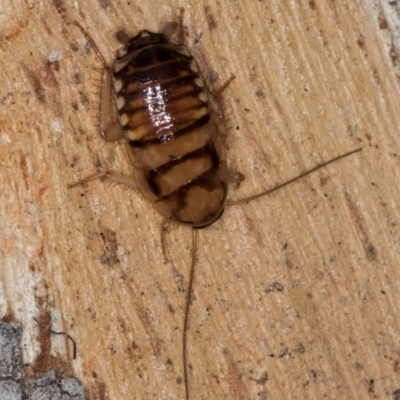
117	178
110	131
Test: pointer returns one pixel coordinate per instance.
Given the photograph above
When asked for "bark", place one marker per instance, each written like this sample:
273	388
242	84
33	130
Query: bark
296	295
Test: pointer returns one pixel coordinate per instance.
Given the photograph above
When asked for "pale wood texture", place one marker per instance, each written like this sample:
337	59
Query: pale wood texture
296	295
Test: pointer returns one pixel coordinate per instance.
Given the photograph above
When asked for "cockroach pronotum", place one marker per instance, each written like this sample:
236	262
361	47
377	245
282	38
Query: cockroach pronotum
174	129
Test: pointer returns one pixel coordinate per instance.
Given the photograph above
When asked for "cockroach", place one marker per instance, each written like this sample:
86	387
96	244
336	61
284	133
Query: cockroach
174	127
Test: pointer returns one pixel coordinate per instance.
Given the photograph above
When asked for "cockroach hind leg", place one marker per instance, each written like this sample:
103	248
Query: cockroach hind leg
302	175
116	178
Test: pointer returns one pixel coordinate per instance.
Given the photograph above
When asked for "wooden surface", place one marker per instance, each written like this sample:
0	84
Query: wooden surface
296	295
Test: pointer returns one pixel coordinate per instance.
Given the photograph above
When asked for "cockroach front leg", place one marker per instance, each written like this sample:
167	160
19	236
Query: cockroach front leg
109	131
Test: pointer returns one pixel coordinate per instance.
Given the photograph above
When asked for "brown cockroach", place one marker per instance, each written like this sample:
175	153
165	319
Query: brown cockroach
174	129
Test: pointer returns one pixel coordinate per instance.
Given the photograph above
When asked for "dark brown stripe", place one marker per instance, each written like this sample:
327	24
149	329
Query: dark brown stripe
165	138
166	84
207	150
193	91
155	72
185	116
153	54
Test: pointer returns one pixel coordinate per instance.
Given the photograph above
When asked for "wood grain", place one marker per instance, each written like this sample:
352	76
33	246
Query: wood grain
296	295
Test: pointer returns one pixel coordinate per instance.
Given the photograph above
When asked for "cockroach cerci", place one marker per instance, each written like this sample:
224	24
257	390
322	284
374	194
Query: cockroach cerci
174	129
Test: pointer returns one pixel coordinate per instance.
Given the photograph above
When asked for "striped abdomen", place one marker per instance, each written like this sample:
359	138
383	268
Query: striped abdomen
172	132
